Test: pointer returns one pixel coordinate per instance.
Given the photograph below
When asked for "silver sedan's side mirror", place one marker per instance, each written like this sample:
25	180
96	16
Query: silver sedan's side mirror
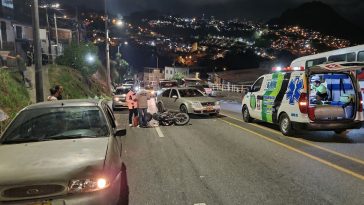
120	132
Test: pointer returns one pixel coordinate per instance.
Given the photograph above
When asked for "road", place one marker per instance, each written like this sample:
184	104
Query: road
222	160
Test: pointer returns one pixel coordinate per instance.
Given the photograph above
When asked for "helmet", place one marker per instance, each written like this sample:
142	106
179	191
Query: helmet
315	78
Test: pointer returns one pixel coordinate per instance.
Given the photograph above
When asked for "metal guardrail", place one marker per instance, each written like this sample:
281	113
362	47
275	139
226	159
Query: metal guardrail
230	87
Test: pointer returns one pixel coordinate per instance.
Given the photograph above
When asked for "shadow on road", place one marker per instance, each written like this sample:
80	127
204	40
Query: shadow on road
315	136
124	187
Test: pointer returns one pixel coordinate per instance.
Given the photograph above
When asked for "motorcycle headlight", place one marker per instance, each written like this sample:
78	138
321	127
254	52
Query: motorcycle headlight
196	105
88	185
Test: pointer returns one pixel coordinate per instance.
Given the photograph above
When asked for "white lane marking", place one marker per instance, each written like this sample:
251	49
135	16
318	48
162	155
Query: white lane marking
159	132
200	204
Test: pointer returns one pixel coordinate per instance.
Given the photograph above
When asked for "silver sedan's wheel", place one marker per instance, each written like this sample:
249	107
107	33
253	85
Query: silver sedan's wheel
184	109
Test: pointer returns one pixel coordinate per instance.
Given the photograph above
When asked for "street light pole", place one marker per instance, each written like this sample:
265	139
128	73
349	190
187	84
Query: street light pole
55	26
37	53
49	36
108	79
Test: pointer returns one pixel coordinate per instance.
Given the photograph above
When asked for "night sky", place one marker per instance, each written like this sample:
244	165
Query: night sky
261	10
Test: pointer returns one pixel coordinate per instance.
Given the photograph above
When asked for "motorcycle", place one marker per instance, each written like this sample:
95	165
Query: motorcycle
169	118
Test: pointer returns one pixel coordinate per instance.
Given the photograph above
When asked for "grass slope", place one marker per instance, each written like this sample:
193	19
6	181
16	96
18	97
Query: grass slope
75	85
13	94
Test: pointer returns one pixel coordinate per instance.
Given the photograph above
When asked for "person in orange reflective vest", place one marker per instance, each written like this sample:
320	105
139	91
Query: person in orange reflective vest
132	106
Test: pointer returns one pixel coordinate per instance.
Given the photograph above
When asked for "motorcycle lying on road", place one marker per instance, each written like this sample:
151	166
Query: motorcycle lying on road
169	118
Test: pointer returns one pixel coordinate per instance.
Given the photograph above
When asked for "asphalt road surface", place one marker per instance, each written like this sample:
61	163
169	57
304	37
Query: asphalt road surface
222	160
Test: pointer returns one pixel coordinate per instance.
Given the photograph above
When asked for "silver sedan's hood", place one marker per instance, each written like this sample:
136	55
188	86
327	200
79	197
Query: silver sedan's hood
203	99
50	160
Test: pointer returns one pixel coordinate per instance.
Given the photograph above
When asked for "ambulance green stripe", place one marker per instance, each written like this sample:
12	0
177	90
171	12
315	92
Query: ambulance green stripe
267	104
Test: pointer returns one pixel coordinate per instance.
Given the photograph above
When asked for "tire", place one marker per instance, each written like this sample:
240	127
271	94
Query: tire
160	107
340	131
181	119
246	115
184	109
285	125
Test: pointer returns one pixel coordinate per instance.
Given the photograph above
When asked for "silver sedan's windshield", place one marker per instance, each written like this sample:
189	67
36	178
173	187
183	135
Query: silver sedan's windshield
56	123
188	93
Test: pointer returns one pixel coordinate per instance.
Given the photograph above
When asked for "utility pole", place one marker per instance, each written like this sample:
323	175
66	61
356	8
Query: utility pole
108	79
49	37
55	26
37	53
78	27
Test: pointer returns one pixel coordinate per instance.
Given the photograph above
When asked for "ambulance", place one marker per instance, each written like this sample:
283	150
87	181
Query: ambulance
286	97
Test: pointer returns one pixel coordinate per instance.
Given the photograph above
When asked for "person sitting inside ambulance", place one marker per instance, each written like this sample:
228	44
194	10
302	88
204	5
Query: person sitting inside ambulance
321	90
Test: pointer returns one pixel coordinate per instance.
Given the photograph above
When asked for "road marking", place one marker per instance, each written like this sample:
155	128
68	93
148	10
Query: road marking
159	132
200	204
332	165
304	142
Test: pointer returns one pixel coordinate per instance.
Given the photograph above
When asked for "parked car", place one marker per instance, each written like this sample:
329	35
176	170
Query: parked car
187	100
286	98
63	152
119	98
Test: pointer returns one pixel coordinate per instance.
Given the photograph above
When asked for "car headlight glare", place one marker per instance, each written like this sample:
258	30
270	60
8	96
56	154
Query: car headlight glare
116	99
87	185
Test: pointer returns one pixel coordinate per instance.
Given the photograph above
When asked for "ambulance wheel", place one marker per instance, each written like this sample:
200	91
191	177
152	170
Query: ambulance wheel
246	115
285	125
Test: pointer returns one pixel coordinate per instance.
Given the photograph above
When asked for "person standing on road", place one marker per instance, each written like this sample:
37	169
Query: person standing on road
142	98
132	106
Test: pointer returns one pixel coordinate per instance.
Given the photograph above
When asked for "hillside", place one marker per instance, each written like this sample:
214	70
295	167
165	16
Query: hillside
14	95
75	85
320	17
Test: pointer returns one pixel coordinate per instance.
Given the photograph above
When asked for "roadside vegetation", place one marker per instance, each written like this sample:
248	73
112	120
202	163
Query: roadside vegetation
76	85
13	95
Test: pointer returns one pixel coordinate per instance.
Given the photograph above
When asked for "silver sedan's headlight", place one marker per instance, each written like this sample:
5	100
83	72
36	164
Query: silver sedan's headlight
196	105
88	185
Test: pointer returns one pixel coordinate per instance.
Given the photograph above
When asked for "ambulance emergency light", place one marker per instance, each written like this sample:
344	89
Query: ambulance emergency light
285	69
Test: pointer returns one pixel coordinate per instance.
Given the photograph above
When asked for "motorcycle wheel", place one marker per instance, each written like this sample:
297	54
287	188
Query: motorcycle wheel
181	119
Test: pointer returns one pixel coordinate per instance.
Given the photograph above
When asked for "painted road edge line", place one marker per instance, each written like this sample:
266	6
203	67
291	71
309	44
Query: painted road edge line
159	132
332	165
304	142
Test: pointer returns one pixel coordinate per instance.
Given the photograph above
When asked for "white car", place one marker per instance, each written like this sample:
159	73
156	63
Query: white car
63	152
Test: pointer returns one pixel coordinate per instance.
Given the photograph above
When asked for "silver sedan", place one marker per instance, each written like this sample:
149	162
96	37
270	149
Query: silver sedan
187	100
63	152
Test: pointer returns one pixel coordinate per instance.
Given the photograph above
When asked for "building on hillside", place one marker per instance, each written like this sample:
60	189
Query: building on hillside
243	76
152	76
169	72
16	36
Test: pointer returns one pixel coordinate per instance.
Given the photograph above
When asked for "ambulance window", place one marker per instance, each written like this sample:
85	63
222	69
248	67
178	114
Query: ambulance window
361	56
257	85
314	62
349	57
